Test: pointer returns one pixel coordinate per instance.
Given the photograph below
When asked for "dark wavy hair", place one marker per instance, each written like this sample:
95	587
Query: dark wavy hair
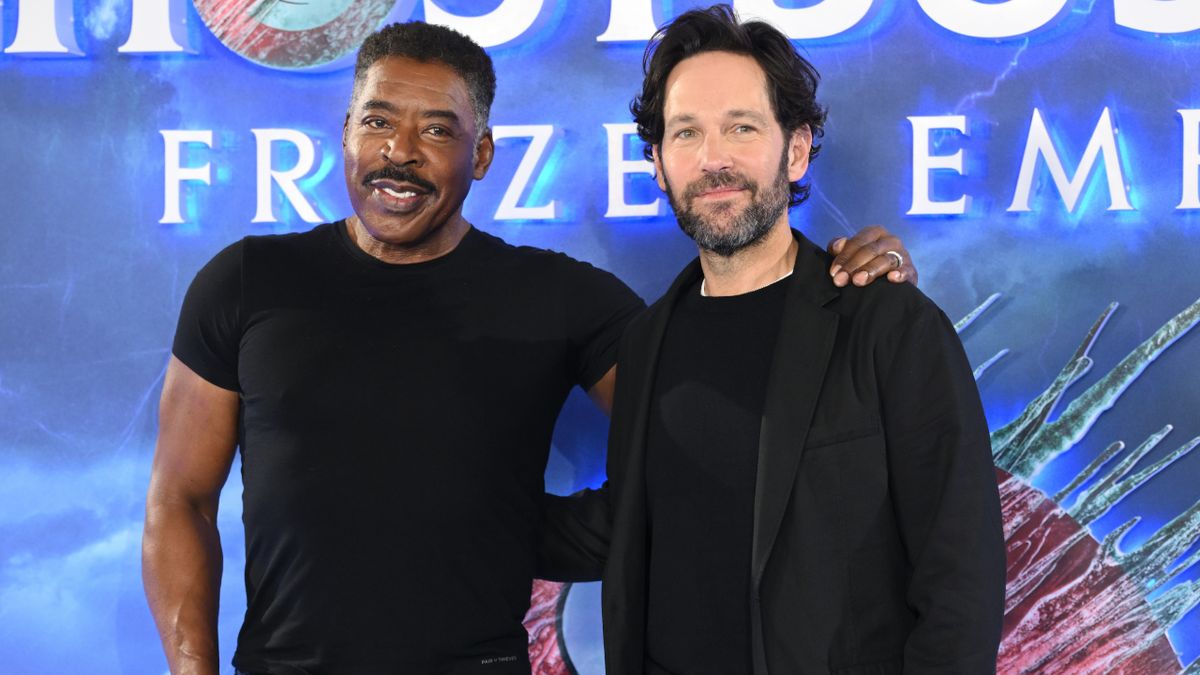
791	80
427	42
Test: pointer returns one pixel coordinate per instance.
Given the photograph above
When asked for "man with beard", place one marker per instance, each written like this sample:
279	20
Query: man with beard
393	381
799	475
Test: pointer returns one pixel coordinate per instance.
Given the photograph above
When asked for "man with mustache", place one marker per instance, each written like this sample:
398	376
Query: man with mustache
393	381
799	475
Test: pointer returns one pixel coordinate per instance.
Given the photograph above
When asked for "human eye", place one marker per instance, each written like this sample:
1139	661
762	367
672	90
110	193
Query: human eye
685	134
439	131
374	122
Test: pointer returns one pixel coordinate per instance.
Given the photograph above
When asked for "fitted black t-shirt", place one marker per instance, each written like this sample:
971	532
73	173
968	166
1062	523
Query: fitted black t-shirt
701	464
395	426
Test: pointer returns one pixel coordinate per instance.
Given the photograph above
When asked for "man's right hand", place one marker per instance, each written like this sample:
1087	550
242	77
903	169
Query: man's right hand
181	549
872	253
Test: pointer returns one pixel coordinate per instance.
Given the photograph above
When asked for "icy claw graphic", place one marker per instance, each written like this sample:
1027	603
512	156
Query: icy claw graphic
1075	604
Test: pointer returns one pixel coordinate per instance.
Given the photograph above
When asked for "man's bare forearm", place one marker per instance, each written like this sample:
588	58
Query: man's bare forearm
181	572
181	549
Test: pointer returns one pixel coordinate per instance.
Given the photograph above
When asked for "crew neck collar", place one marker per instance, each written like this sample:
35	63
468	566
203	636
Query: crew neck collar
342	230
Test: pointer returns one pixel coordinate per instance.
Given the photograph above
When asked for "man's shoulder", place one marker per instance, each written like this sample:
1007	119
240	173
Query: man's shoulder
543	263
262	257
884	317
290	252
881	300
640	331
498	249
655	309
884	300
316	238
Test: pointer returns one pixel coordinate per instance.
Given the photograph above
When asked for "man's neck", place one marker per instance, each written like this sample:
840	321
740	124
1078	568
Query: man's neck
753	267
435	245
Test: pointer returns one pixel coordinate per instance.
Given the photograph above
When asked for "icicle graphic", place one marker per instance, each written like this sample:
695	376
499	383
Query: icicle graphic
1054	438
1075	604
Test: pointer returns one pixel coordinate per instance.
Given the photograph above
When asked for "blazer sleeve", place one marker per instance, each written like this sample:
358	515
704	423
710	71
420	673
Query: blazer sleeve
576	531
943	486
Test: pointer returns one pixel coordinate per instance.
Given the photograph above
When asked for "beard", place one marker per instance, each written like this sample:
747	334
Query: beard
743	228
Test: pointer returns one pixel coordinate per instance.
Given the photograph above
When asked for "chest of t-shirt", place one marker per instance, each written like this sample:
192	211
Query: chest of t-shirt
405	338
466	375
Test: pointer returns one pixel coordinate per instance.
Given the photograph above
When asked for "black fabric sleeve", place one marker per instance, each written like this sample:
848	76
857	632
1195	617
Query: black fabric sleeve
210	327
599	306
944	491
576	532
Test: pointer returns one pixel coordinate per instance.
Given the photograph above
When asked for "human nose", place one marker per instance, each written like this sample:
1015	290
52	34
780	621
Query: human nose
402	148
714	154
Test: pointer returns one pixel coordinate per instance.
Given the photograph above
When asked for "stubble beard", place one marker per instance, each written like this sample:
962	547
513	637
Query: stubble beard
743	229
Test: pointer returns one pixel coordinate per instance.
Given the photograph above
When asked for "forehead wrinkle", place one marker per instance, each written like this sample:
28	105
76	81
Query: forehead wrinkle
401	72
714	75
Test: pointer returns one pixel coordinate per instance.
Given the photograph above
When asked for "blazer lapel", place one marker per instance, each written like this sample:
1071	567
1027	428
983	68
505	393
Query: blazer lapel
806	336
648	360
623	593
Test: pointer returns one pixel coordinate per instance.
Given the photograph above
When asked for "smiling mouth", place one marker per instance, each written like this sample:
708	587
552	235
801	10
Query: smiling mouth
398	194
398	197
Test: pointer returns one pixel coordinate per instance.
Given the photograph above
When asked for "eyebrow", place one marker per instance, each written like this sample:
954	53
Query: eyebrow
680	119
736	113
746	114
449	115
378	104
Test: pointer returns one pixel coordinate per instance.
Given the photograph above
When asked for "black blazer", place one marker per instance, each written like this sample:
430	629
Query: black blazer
877	544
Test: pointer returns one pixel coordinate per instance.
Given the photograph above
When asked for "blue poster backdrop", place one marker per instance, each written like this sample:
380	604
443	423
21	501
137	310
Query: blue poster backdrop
1039	157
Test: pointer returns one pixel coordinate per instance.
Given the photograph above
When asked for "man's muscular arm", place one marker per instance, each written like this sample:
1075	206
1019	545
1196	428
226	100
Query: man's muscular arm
181	549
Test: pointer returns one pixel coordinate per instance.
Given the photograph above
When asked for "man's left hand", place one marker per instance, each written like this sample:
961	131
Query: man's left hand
868	255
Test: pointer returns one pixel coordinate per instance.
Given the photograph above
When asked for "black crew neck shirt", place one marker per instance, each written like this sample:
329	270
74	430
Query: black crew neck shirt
395	426
701	464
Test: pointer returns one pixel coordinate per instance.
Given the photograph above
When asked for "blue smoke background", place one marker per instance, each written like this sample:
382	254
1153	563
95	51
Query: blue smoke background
90	282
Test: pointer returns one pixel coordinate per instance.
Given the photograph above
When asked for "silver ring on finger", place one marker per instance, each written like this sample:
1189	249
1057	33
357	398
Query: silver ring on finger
897	259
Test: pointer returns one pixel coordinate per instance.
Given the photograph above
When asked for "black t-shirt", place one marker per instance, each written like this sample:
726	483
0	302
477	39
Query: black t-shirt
701	464
396	421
